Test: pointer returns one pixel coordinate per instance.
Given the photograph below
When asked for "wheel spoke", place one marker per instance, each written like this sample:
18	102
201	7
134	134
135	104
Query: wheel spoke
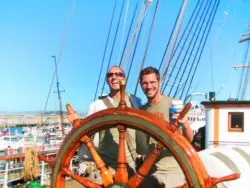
84	181
138	177
185	185
121	175
106	175
51	162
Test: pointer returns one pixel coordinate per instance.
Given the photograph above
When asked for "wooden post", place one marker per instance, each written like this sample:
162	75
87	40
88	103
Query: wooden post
121	175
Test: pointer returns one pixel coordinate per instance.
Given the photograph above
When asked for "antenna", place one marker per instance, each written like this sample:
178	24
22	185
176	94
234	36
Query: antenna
59	98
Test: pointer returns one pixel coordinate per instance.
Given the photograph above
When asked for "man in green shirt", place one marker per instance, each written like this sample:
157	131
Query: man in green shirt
166	171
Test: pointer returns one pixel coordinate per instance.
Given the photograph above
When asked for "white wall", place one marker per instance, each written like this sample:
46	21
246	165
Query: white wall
226	137
209	134
238	137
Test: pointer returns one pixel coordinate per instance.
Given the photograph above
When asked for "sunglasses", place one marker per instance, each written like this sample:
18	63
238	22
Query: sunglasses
117	74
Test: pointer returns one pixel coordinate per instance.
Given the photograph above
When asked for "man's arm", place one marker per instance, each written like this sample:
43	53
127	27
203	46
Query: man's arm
187	131
71	115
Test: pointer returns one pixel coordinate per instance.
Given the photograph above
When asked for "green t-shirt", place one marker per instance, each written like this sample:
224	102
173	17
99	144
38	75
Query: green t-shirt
165	161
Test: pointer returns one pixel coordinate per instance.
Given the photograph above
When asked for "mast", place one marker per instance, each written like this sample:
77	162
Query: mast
59	99
245	74
247	36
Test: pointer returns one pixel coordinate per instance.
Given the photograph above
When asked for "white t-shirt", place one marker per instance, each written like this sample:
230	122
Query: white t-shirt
111	138
99	105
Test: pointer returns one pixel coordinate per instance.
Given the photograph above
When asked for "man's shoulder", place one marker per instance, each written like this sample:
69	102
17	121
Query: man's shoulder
96	102
168	98
96	106
144	106
134	97
136	101
102	97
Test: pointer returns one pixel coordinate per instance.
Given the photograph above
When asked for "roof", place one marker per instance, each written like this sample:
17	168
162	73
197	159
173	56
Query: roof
228	103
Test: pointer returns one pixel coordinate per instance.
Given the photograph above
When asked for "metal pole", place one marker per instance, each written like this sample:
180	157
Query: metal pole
171	45
59	99
189	97
43	174
6	174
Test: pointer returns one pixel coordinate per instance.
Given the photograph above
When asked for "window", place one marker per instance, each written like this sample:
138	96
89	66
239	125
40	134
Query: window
236	121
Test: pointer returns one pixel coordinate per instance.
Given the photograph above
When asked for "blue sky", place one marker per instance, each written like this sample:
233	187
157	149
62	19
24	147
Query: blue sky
76	31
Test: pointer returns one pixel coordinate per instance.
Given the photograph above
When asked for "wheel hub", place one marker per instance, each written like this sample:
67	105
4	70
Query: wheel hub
118	186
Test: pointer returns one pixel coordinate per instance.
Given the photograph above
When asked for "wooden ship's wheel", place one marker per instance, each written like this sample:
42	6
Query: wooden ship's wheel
122	117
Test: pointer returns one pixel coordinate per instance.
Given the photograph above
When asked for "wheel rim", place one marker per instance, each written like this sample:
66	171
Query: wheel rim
143	121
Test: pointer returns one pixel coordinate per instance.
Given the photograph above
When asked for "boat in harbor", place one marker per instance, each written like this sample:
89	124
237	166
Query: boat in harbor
197	117
24	131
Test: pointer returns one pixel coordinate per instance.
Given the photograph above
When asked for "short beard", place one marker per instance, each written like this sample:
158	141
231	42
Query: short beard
152	97
114	91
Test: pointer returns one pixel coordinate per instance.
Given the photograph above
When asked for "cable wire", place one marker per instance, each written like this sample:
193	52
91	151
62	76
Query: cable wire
113	44
61	50
148	43
195	64
203	45
194	38
184	44
105	49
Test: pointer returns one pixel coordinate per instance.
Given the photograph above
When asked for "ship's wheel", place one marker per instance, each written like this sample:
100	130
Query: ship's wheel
122	118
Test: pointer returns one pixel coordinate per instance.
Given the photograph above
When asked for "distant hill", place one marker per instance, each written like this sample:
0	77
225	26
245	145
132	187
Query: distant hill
32	112
35	112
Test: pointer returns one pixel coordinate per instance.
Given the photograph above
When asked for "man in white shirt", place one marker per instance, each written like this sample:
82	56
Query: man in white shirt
108	140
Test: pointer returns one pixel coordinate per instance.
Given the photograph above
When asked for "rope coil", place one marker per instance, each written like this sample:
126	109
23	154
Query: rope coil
31	165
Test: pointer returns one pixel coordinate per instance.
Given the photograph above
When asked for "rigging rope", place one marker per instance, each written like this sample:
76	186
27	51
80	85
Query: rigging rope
244	73
148	43
113	44
166	49
235	12
211	69
173	39
216	38
182	47
245	84
127	52
204	31
123	28
198	26
61	50
137	42
208	27
105	49
130	27
134	51
185	30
